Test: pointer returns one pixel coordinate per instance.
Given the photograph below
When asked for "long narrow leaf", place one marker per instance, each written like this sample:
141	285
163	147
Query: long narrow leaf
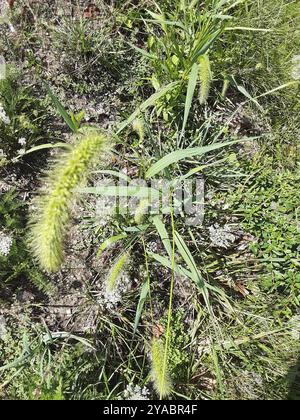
296	82
166	262
121	191
61	110
247	94
140	307
190	94
190	262
245	28
181	154
143	52
109	242
162	231
46	146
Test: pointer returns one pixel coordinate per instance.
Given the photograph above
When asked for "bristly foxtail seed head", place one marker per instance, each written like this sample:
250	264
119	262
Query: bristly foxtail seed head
52	213
141	210
115	271
205	78
159	372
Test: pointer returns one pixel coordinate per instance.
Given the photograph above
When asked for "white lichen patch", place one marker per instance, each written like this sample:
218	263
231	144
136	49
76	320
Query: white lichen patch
111	298
6	242
22	141
136	392
221	236
4	118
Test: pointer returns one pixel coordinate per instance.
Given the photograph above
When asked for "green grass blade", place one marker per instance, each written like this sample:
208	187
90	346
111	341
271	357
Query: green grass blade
245	28
284	86
45	146
166	262
61	110
109	242
143	52
140	307
247	94
190	262
178	269
181	154
190	94
121	191
66	335
162	231
197	169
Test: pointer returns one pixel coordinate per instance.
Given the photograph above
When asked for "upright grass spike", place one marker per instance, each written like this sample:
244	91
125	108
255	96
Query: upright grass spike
115	271
141	210
225	87
205	76
159	372
49	221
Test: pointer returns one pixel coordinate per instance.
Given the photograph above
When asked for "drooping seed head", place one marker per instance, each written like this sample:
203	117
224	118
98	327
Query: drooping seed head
53	204
115	271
